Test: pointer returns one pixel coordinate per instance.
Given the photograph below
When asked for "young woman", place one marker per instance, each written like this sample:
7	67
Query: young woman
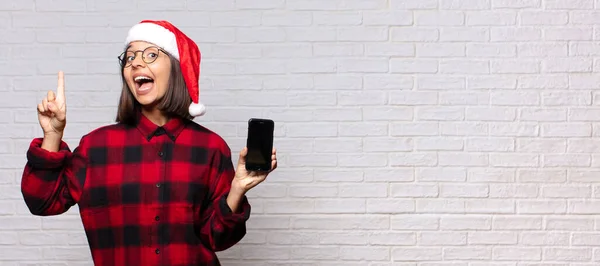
155	188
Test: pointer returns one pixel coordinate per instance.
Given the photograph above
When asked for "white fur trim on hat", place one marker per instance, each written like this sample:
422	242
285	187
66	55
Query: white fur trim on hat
152	33
197	109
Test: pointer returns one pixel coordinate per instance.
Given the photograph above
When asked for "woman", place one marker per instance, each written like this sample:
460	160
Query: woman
155	188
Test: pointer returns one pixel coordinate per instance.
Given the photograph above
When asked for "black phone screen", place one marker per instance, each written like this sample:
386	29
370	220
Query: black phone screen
260	144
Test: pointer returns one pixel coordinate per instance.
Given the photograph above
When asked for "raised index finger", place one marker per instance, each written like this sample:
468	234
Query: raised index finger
60	89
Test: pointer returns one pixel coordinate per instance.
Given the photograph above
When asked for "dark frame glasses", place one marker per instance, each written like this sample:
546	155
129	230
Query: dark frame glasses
149	55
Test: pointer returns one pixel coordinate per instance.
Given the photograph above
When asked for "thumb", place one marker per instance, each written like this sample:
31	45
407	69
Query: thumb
242	159
52	108
56	112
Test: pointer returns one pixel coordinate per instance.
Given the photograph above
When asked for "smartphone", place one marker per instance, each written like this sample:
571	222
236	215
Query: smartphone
260	144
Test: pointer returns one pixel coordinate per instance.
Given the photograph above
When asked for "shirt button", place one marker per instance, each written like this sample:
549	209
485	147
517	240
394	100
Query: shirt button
157	218
157	251
157	184
160	153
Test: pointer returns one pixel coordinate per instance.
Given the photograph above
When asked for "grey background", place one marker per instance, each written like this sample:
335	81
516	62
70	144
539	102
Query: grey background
410	132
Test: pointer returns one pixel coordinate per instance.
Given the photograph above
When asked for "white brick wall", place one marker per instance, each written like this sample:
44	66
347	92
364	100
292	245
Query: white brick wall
410	132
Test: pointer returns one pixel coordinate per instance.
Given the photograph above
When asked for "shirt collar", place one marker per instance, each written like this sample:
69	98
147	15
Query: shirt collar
148	129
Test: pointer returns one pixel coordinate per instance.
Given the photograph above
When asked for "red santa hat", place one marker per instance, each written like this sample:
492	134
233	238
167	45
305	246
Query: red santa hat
168	37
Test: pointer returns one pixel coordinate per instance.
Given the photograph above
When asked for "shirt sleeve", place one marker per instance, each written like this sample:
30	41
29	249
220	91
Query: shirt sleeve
220	227
52	181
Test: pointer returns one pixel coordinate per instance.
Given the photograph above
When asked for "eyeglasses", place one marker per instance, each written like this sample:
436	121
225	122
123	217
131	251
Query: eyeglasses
149	55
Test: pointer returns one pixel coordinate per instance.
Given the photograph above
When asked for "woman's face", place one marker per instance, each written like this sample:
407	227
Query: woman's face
147	73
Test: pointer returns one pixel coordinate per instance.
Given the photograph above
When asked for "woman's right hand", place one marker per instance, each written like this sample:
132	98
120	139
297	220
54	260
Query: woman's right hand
52	111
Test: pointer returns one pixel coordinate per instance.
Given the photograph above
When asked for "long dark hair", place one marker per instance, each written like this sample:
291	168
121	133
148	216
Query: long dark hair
175	102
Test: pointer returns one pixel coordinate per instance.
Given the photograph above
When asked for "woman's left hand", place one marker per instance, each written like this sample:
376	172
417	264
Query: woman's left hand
245	180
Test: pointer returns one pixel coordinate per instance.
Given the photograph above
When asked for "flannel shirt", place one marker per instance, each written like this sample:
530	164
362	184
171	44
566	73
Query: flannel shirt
147	195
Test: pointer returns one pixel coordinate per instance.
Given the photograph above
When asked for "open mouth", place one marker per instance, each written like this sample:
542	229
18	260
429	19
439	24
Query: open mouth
143	83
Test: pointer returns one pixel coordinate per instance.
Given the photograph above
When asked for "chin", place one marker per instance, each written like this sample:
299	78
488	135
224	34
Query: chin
147	100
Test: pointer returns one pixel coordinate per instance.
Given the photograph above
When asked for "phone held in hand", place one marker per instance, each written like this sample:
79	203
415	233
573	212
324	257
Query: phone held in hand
260	144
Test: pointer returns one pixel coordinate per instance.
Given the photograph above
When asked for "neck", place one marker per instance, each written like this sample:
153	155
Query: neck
156	116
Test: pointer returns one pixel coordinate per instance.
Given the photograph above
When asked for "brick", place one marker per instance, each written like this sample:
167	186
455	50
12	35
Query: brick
565	65
414	4
491	18
340	222
363	129
385	18
440	83
387	144
545	239
569	34
516	4
520	34
388	175
520	254
462	34
493	238
439	18
463	129
438	144
281	18
462	159
440	113
570	4
325	145
262	35
543	50
444	174
416	254
525	66
365	253
385	49
586	17
345	238
376	190
338	49
491	114
522	222
550	18
467	222
541	207
568	254
390	206
341	206
491	50
362	34
491	82
413	66
413	159
352	98
558	223
436	50
363	66
338	175
467	253
442	239
336	18
513	191
464	191
414	34
543	81
464	67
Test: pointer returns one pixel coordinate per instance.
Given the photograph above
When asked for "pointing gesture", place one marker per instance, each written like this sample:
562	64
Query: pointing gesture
52	111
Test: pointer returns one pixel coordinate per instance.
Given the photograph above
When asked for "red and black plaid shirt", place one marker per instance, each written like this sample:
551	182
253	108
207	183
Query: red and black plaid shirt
147	195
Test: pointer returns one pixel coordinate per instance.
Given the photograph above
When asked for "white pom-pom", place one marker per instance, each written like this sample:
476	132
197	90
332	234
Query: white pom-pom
197	109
